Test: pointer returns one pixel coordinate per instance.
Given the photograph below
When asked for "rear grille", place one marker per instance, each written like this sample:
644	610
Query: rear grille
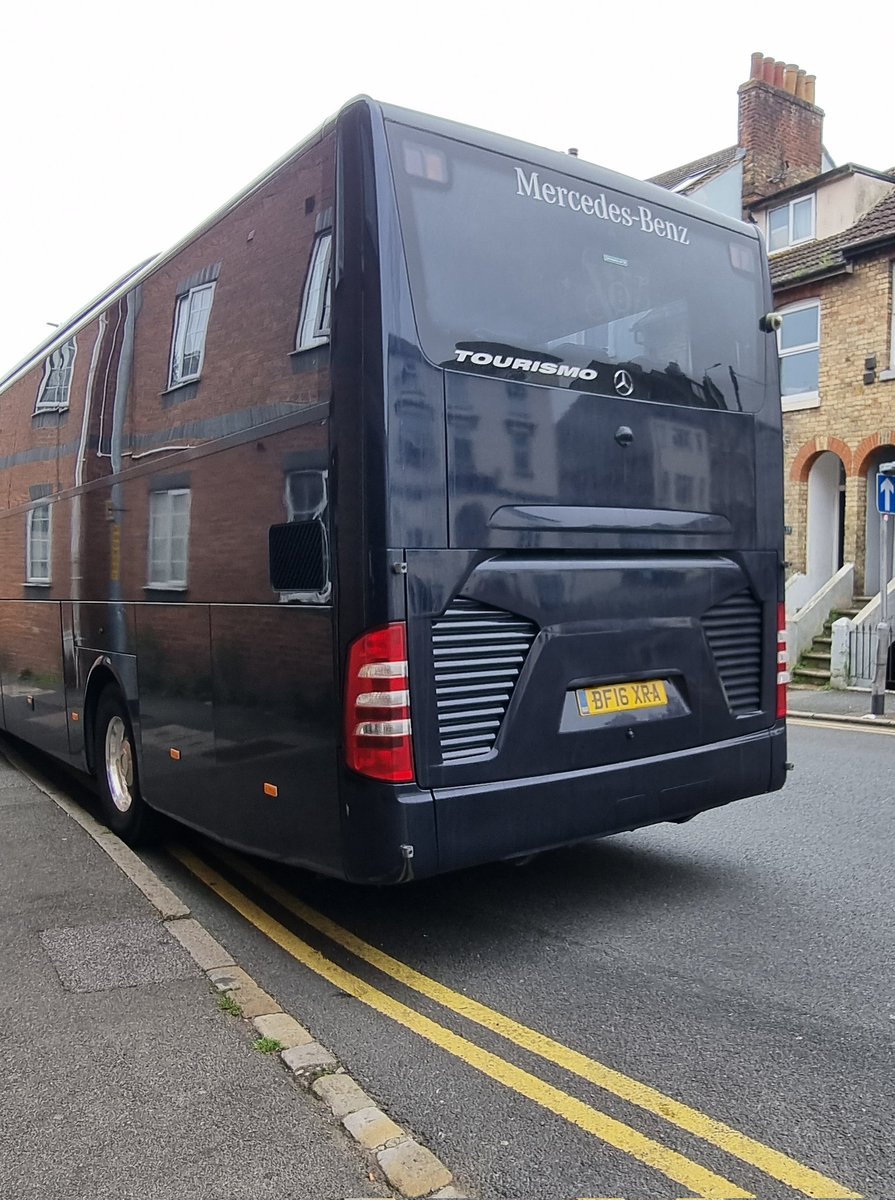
733	631
478	653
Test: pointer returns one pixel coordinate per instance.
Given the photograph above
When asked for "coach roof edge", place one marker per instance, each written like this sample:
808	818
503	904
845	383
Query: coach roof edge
137	275
558	160
546	158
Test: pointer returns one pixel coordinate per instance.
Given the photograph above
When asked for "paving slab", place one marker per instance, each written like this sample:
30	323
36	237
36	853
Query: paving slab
121	1076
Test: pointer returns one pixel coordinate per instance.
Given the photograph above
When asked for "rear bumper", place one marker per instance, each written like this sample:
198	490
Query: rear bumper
520	816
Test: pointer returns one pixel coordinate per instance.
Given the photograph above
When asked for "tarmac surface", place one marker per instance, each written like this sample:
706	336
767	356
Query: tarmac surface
124	1078
121	1075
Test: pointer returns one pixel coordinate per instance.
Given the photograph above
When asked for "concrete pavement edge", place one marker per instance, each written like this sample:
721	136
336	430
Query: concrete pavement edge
859	722
408	1166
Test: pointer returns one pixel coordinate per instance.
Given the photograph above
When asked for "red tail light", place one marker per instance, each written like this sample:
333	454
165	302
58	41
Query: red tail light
377	706
782	662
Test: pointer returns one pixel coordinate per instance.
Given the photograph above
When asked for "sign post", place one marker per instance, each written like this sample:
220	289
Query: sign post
885	504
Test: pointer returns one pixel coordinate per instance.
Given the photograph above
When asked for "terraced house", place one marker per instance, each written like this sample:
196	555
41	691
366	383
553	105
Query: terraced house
831	238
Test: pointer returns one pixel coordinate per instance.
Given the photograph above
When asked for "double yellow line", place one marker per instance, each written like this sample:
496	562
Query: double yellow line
701	1182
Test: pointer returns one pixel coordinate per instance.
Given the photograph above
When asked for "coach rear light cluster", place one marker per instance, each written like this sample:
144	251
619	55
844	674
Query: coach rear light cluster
377	706
782	662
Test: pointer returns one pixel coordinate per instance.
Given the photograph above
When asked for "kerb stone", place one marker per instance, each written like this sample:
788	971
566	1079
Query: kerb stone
284	1029
413	1169
342	1094
371	1127
310	1057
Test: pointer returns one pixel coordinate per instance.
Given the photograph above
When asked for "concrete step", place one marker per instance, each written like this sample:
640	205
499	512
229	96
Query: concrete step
810	675
815	658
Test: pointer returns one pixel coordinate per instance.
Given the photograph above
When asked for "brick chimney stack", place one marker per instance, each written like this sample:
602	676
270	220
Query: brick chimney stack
780	128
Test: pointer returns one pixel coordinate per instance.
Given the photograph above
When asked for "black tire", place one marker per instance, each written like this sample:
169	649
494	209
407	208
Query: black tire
115	760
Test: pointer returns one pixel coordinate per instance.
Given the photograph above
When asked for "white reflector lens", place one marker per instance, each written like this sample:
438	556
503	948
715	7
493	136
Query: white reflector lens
383	699
383	670
382	729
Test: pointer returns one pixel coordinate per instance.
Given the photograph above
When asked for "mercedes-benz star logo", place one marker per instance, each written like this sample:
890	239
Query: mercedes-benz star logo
624	384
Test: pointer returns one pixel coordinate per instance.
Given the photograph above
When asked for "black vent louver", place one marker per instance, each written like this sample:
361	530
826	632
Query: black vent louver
478	653
733	631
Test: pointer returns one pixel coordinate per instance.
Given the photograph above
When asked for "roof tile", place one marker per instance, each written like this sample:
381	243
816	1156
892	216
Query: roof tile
712	163
831	254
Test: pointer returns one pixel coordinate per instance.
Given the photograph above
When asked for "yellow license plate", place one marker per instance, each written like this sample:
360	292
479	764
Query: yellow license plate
621	697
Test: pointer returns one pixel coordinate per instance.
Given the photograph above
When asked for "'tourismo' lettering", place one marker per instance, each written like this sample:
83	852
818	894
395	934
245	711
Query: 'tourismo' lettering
506	362
642	218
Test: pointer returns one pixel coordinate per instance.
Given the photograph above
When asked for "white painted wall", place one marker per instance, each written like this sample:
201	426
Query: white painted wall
843	201
823	519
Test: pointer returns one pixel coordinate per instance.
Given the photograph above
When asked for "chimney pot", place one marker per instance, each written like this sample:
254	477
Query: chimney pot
771	129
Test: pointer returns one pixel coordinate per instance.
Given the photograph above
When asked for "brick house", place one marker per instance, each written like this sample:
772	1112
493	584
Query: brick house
831	237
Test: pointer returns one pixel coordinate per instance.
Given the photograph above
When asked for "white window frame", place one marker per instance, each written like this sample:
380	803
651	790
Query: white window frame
32	576
790	240
160	572
182	314
801	399
54	396
316	303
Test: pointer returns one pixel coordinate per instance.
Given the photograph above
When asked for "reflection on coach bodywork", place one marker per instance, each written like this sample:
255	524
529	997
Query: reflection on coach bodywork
140	499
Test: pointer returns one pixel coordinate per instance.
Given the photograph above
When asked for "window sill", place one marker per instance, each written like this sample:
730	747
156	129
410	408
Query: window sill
38	583
166	587
797	403
181	383
50	408
315	345
885	376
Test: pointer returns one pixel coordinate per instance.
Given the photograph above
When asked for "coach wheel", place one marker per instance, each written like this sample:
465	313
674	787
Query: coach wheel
125	811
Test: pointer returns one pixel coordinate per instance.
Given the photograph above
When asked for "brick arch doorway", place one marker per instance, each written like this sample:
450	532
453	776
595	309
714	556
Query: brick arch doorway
871	540
826	518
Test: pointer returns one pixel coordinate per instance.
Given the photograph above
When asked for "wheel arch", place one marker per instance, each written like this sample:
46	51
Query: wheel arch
103	674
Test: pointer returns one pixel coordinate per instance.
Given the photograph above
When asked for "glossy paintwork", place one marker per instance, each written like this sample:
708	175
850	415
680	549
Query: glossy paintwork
584	537
601	620
677	460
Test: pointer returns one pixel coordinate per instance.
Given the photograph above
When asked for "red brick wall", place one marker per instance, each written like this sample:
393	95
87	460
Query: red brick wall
263	247
781	135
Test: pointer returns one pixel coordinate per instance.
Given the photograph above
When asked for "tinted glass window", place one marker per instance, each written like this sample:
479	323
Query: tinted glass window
540	277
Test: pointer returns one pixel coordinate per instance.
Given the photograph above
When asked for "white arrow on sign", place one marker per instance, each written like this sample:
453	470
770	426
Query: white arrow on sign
887	487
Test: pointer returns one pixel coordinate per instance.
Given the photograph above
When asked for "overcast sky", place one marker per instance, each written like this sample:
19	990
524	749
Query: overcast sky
122	126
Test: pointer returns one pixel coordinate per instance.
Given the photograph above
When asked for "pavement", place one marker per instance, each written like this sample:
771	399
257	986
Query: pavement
834	704
123	1075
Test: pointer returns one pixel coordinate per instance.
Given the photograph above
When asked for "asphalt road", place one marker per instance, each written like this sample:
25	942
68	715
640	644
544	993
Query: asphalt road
740	965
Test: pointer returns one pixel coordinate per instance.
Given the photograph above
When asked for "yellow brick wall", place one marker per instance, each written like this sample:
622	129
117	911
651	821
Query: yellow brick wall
854	419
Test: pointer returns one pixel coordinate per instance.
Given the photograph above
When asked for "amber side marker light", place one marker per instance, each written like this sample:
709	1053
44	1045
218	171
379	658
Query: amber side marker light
271	789
175	754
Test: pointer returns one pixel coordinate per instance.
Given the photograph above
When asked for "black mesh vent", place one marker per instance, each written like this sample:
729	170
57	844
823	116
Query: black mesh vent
733	631
478	652
297	557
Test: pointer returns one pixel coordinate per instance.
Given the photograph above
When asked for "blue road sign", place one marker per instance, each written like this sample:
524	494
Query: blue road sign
885	491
